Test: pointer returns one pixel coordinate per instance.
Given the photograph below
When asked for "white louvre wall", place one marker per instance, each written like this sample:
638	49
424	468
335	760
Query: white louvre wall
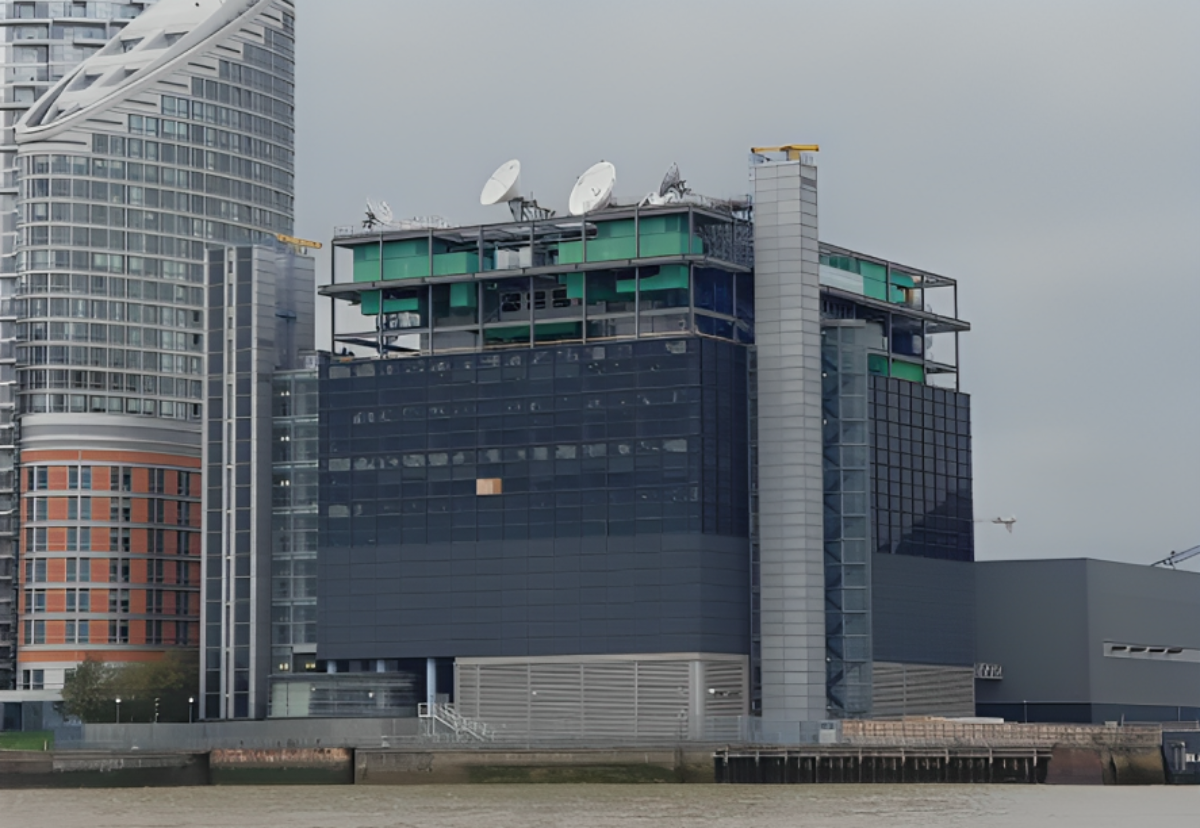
903	690
631	699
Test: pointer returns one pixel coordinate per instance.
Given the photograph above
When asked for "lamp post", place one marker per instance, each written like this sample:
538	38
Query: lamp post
156	709
191	701
118	710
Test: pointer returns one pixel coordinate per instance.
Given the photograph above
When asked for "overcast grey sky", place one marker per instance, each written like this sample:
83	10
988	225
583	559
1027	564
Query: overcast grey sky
1046	153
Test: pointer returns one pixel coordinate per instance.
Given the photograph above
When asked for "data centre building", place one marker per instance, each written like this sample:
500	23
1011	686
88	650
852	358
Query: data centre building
643	473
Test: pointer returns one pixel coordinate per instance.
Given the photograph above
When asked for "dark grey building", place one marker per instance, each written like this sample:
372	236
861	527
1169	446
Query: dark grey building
1088	641
679	458
260	320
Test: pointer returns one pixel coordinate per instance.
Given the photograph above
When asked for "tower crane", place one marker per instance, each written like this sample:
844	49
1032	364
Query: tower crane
1178	557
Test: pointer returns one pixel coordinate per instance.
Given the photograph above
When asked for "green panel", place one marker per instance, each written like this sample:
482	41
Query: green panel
668	244
409	267
464	295
570	252
574	283
517	333
366	263
555	328
669	277
370	304
452	264
877	364
614	229
676	223
406	249
908	371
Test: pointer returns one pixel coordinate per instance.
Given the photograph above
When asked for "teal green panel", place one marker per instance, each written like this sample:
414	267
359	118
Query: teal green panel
908	371
410	303
463	295
413	267
370	303
669	277
614	229
517	333
452	264
607	250
555	328
574	283
570	252
406	249
664	244
877	364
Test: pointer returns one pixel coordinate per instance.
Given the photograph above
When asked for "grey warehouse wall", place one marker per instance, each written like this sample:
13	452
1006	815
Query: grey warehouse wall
1046	623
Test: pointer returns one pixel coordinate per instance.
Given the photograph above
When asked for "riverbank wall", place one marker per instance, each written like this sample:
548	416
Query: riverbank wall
362	753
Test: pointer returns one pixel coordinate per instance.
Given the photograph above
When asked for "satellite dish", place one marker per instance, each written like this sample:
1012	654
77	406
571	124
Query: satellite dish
504	185
672	183
594	189
378	214
672	190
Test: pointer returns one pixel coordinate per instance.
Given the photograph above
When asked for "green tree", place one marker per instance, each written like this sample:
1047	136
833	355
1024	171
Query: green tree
88	692
144	688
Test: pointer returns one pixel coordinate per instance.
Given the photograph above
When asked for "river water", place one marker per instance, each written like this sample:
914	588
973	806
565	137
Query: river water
604	806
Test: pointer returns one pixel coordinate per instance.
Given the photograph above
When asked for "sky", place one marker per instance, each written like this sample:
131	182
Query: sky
1044	153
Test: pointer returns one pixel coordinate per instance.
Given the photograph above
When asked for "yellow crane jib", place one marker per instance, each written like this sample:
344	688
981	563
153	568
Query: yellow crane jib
299	243
792	151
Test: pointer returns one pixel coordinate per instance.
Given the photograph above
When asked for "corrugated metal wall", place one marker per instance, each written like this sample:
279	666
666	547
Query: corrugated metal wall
922	690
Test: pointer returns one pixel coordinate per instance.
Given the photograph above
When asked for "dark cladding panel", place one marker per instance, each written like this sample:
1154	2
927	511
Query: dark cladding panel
924	610
558	500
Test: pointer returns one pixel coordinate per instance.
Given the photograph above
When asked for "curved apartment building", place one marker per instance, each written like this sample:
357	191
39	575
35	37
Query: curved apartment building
39	44
174	138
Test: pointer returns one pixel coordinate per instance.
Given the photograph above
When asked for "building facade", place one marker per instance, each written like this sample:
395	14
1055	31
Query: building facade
173	138
260	320
685	441
1089	642
41	43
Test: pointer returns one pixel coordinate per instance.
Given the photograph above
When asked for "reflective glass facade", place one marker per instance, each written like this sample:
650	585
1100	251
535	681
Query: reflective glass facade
921	470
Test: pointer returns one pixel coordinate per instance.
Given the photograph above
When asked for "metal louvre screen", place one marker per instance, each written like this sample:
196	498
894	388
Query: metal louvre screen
610	700
922	690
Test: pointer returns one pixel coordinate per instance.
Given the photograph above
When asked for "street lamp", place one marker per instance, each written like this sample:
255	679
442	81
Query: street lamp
156	709
118	711
191	701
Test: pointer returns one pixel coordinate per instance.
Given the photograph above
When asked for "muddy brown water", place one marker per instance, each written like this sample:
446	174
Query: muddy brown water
604	806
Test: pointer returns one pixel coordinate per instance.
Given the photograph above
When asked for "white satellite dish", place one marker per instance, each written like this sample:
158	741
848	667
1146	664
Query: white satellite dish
503	186
378	214
594	189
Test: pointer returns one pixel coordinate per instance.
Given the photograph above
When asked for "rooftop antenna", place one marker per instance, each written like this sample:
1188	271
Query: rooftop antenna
379	214
505	185
672	190
594	189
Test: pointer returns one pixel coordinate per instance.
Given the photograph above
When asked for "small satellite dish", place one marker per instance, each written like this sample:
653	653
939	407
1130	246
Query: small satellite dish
503	186
672	190
594	189
378	214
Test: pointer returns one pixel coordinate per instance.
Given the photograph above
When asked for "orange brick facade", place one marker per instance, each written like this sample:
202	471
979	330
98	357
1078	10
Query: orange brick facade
109	559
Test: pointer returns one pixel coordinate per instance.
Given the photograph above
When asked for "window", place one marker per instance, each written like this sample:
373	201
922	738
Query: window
183	573
118	571
121	479
118	601
118	632
35	600
35	571
184	514
73	570
79	477
154	571
35	633
185	484
158	479
79	600
118	540
77	632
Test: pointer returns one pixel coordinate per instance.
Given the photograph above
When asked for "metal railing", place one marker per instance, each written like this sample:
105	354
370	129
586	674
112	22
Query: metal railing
461	726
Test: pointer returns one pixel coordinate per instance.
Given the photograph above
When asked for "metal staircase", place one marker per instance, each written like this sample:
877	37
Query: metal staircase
461	728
